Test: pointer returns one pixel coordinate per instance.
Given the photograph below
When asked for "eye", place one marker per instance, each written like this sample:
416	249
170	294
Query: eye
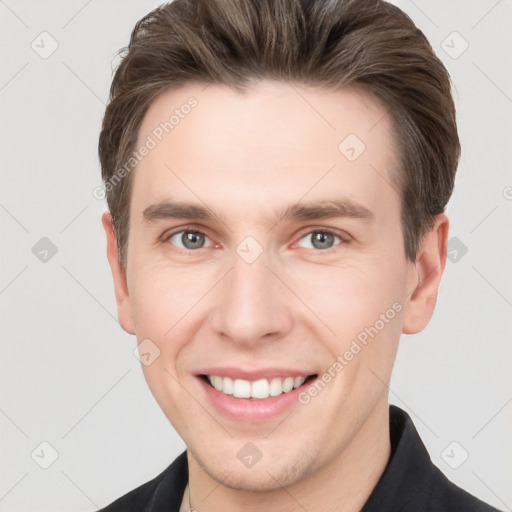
320	239
189	239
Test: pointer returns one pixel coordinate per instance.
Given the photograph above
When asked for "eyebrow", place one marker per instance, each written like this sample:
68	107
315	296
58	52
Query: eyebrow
316	210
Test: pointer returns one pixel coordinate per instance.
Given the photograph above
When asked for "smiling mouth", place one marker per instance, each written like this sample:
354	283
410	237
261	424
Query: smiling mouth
260	389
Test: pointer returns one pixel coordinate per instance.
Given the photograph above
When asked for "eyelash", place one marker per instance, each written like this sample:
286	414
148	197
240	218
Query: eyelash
342	236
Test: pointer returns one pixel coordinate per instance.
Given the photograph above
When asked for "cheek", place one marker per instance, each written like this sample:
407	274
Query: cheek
161	301
162	296
352	297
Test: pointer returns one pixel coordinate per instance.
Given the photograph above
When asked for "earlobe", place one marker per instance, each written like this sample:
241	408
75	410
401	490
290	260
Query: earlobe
123	300
429	266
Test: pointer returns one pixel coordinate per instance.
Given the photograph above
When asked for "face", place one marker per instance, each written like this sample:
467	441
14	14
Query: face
266	271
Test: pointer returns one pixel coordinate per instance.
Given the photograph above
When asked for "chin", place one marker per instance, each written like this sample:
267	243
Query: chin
264	475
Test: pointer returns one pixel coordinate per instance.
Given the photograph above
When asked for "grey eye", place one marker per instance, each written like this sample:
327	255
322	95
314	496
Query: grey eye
320	239
188	239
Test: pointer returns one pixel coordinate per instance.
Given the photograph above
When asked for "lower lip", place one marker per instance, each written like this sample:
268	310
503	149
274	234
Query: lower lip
251	410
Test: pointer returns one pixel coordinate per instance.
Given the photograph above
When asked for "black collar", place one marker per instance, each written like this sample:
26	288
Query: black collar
410	481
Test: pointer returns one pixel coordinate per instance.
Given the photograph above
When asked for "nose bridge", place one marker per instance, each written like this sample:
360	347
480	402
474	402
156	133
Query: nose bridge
250	306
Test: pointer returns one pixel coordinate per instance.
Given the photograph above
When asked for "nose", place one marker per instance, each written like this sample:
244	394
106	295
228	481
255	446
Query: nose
253	305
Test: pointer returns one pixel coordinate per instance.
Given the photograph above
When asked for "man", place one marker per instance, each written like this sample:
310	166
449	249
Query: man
276	173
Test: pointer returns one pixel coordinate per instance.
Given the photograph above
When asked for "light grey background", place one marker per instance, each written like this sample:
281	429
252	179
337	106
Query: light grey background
68	376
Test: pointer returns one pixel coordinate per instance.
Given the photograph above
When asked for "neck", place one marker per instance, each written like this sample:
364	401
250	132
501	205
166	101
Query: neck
343	484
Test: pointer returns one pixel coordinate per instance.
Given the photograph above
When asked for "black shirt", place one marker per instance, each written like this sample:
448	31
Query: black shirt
410	482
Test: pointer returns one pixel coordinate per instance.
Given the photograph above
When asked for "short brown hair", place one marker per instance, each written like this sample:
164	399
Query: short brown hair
369	44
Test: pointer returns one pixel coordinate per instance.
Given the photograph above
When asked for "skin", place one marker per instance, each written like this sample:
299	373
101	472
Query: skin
247	156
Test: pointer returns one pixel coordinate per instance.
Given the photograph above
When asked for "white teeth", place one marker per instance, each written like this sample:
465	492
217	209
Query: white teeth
259	389
288	384
217	383
276	386
241	388
298	382
227	385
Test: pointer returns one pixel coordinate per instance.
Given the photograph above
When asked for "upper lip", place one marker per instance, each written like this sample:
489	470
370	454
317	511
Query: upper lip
254	374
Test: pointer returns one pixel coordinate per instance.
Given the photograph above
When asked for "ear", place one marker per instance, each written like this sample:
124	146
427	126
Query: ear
124	304
428	269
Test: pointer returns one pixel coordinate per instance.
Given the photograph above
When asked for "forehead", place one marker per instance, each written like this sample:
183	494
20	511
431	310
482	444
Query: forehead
274	141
